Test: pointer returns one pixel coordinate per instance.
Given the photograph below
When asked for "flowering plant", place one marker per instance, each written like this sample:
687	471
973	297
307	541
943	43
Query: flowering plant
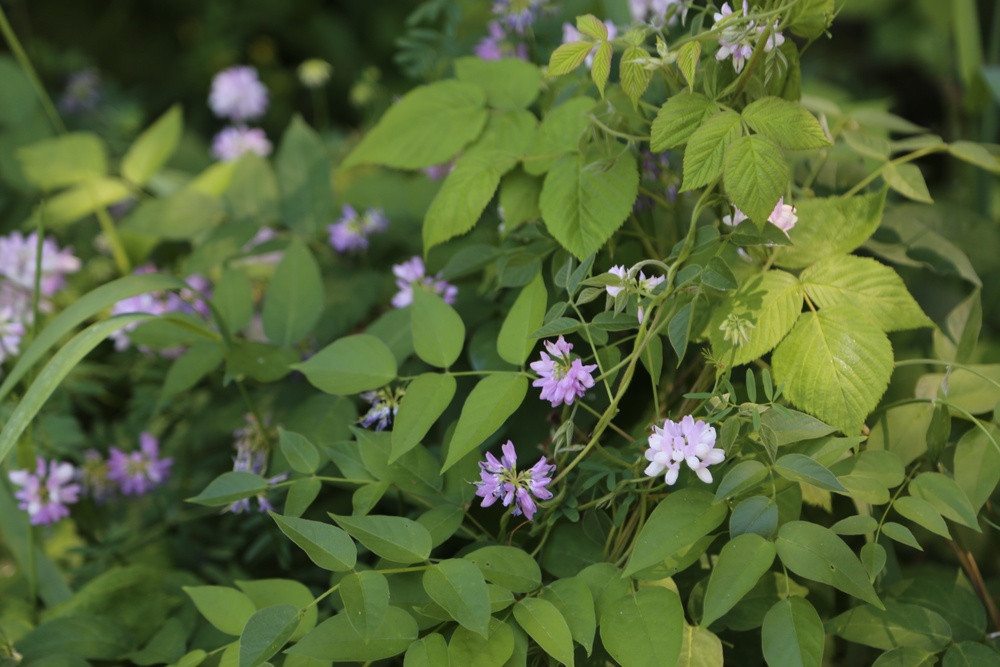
762	431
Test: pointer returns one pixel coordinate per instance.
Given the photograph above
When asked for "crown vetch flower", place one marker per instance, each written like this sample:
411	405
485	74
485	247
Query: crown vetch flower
738	39
238	94
655	10
232	142
689	441
17	262
384	406
45	494
139	472
11	332
351	232
410	274
783	216
82	92
251	456
500	480
563	378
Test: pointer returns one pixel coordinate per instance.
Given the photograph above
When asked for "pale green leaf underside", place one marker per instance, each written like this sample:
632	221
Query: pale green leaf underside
772	302
835	364
864	282
829	226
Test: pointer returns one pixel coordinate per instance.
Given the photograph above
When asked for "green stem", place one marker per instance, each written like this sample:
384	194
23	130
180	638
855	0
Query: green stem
22	58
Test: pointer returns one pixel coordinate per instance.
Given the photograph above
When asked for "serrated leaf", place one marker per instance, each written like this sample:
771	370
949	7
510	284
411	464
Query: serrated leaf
907	180
756	174
835	364
816	553
429	125
771	302
847	279
510	83
831	226
592	27
633	74
786	123
568	57
706	148
600	69
584	200
462	199
687	61
678	118
558	133
487	407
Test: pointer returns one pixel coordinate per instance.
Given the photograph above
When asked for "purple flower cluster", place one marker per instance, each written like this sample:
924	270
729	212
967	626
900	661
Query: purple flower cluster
384	406
82	92
411	274
46	493
738	38
655	11
500	480
238	94
159	303
251	456
350	233
17	283
688	441
564	378
513	21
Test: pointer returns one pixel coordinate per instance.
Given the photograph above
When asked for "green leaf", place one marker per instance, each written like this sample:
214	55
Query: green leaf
873	557
567	57
584	200
868	145
922	513
468	648
303	171
756	174
543	623
426	399
232	296
509	567
970	654
301	494
633	74
84	637
772	302
510	83
741	477
846	279
489	404
801	468
816	553
644	629
793	635
600	69
678	118
975	154
327	546
757	515
182	216
335	639
459	587
706	148
294	298
977	465
835	364
742	562
972	388
792	426
946	496
900	533
897	625
265	633
907	180
302	455
190	368
687	61
463	197
431	124
559	132
514	344
855	525
261	361
906	656
83	199
350	365
428	651
679	520
572	597
252	193
66	160
519	195
831	226
810	18
230	487
786	123
442	522
225	608
438	331
366	601
392	537
151	150
416	471
592	27
700	648
270	592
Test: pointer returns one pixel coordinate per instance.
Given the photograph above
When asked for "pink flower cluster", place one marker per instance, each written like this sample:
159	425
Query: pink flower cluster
688	441
237	94
738	38
351	232
411	274
564	378
500	480
159	303
783	217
